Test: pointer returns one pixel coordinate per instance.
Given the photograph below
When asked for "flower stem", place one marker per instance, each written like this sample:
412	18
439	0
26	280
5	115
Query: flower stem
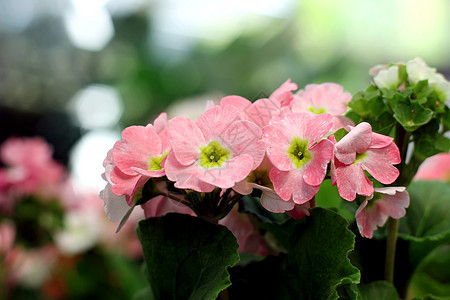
391	244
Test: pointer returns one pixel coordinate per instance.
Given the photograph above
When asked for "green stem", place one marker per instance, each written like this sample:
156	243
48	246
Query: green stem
391	244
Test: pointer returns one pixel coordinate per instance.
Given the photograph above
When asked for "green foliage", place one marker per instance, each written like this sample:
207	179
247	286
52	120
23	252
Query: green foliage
377	290
412	116
187	257
314	267
427	221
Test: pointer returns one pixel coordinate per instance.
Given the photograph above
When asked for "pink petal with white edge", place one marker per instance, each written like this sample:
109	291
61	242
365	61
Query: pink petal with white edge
356	141
160	123
243	187
277	145
272	202
284	93
216	120
185	138
316	169
351	180
184	176
379	163
392	204
289	184
330	96
244	137
318	126
115	206
139	143
232	171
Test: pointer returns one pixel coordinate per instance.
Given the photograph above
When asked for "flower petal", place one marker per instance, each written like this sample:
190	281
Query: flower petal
185	137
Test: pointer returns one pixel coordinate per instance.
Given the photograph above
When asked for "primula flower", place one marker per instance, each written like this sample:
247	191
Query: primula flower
361	149
384	203
300	159
324	98
418	70
283	94
387	78
259	179
218	149
138	157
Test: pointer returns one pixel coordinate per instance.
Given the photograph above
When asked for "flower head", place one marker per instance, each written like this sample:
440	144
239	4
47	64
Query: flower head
300	159
324	98
361	149
384	203
218	149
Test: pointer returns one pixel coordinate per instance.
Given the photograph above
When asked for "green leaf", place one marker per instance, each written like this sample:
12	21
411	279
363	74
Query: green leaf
187	257
412	116
315	266
427	222
368	104
377	290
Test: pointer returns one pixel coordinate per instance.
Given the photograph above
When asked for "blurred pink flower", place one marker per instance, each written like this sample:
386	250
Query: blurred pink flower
218	149
436	167
384	203
324	98
30	169
300	211
300	159
361	149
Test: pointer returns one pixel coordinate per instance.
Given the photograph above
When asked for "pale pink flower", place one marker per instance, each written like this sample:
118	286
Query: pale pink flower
324	98
7	237
248	238
300	159
283	94
436	167
384	203
218	149
361	149
259	179
261	112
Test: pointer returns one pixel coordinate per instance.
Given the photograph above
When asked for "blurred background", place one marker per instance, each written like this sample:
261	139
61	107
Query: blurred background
76	72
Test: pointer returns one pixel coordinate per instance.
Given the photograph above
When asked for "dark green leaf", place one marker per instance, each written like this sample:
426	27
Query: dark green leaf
186	257
412	116
377	290
315	266
427	221
368	104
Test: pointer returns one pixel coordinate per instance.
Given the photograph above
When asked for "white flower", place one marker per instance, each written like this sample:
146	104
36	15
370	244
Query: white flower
387	78
418	70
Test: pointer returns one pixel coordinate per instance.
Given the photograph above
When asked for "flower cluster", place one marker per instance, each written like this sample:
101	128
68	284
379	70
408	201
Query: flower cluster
284	146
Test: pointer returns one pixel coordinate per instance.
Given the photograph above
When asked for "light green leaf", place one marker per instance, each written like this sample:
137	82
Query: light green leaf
377	290
412	116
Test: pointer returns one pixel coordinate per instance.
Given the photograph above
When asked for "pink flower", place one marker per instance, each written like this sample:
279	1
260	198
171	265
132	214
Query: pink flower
218	149
300	159
283	94
30	169
261	112
384	203
324	98
135	159
249	239
300	211
436	167
259	179
361	149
